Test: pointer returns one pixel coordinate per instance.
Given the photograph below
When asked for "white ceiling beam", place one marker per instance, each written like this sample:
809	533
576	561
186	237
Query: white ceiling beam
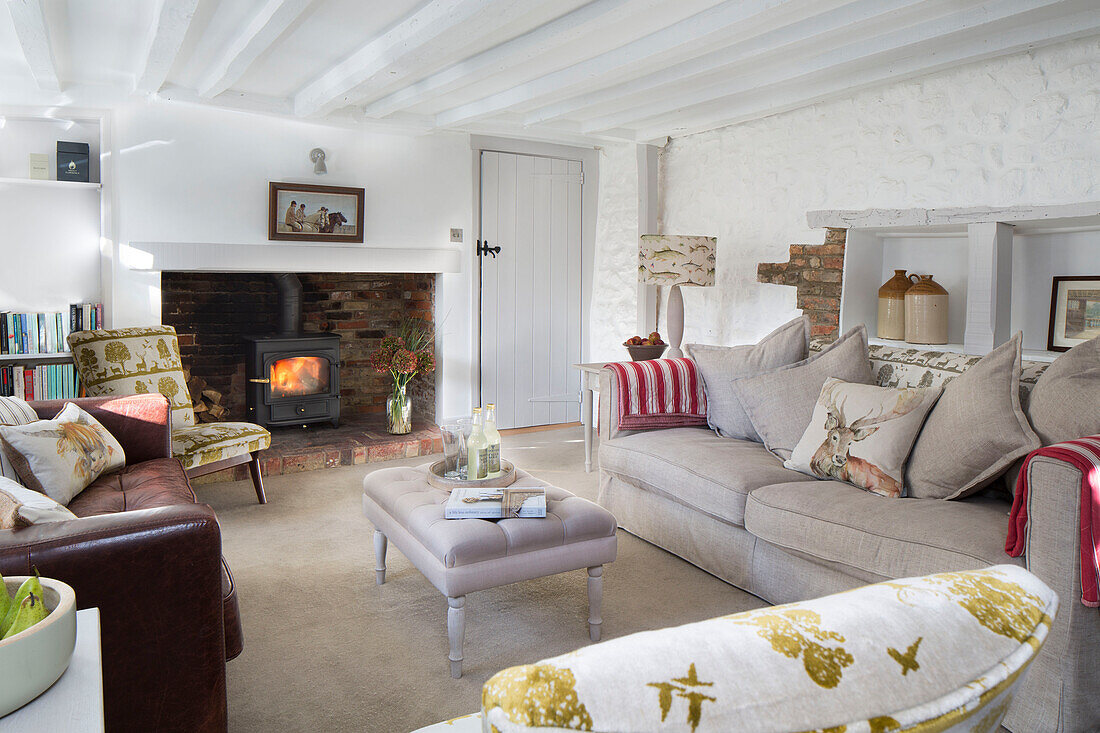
825	29
409	45
862	51
598	20
256	37
834	83
34	38
171	21
733	17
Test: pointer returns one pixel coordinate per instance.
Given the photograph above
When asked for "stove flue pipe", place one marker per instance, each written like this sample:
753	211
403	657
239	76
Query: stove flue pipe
290	303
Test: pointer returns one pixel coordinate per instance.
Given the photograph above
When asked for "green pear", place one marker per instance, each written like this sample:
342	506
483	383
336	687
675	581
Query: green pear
5	599
31	611
30	585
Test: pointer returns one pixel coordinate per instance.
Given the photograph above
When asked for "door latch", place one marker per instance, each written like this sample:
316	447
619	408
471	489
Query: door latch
483	249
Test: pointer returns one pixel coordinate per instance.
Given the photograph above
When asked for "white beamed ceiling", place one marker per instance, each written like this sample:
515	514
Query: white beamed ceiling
564	70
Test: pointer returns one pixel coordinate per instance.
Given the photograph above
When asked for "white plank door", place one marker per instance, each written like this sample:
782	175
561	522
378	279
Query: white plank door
531	289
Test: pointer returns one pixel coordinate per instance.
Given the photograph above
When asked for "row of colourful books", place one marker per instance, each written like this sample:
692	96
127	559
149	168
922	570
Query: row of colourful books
42	382
46	333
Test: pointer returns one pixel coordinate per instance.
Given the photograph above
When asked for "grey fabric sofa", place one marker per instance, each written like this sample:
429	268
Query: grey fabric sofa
731	508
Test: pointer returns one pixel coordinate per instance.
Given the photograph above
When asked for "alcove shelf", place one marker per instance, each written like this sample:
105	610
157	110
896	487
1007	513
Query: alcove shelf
997	265
35	358
47	183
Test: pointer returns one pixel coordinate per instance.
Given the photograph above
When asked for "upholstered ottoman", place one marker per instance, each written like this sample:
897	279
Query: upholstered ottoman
459	556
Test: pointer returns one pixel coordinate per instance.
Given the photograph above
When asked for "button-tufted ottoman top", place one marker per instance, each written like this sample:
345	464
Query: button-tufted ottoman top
406	495
409	511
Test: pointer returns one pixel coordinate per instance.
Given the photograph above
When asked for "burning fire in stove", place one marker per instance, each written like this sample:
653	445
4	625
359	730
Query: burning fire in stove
297	376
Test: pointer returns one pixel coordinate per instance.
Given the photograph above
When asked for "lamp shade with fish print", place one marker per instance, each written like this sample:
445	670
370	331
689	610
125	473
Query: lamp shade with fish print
676	259
672	259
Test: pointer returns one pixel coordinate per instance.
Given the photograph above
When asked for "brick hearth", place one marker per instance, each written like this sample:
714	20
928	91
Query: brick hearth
212	312
360	439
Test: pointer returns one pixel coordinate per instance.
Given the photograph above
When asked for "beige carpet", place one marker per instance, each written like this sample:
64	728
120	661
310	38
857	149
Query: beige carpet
327	649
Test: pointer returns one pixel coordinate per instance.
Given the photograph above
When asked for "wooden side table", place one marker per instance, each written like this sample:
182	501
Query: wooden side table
75	702
590	383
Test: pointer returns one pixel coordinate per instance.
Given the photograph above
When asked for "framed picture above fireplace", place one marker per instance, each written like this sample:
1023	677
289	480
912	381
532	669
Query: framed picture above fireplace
1074	311
306	213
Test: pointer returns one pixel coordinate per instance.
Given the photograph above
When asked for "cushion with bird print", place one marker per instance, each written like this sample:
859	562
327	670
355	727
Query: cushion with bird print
61	457
862	434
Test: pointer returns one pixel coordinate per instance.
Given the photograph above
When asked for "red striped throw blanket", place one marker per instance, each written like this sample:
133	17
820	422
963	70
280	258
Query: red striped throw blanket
661	393
1085	455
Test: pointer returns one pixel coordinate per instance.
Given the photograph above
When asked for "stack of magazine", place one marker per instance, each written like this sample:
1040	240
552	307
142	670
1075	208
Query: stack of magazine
514	501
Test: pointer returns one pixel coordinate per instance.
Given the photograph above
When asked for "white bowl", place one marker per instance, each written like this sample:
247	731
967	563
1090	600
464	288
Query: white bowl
34	659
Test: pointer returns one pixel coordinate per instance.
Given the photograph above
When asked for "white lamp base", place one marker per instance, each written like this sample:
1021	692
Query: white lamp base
674	315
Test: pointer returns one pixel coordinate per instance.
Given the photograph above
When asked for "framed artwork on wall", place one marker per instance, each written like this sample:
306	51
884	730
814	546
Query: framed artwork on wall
1074	311
307	213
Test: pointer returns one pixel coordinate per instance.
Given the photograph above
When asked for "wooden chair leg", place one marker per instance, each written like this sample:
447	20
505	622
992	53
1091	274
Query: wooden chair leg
257	478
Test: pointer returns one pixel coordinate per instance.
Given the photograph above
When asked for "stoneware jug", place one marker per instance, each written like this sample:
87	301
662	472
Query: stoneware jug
926	312
891	306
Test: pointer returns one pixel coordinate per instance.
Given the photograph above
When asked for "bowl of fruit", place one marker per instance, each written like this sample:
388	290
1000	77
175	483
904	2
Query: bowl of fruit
37	636
642	349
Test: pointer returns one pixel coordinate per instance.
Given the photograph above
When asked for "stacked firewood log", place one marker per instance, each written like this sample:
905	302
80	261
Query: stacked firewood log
206	402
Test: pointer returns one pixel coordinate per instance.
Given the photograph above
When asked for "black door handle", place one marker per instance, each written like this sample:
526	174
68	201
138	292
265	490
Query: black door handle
484	249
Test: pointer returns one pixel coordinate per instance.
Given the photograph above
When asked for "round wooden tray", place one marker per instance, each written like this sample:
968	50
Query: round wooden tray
506	478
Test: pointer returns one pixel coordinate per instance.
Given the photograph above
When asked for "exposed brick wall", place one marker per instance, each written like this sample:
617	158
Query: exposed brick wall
816	271
213	312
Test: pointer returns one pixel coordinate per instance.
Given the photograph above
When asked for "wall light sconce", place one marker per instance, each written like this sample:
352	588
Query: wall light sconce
318	157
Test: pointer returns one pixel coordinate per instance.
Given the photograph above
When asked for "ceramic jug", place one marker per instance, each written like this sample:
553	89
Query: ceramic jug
891	306
926	312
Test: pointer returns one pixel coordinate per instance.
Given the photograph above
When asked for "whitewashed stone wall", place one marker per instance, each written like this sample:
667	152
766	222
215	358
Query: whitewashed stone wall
615	291
1017	130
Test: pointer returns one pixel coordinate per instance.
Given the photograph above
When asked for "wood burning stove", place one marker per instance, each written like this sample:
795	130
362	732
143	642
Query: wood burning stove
293	377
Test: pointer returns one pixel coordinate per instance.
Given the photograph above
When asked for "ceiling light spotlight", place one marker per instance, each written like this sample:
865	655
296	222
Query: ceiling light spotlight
318	157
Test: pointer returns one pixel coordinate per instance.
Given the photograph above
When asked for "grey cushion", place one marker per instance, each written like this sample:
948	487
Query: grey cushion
720	365
834	522
781	402
1065	402
975	432
695	468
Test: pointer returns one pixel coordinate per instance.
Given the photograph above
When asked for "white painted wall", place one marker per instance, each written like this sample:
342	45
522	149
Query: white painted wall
196	174
615	286
50	240
1016	130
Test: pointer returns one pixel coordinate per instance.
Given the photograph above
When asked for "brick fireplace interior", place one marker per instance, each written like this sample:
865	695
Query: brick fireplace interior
213	312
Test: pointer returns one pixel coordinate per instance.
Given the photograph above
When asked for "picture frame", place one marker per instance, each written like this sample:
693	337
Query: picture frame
1074	311
330	213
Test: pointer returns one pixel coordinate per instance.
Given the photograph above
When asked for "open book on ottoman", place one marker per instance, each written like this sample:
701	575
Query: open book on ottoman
478	503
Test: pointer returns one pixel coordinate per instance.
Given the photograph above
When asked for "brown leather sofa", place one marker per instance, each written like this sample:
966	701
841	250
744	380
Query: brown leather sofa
149	557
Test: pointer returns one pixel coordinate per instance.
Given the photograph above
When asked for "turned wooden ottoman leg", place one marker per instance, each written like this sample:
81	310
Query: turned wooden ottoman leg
595	599
380	544
456	630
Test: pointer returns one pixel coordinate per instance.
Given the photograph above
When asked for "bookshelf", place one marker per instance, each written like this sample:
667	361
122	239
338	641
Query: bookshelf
24	358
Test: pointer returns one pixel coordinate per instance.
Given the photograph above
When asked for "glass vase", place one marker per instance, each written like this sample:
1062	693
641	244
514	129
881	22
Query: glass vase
399	412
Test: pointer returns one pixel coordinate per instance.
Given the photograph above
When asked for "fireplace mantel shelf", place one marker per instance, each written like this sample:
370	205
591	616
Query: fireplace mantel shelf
280	257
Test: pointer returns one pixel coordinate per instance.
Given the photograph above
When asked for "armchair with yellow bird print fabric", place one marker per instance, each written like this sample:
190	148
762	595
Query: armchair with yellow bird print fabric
142	360
942	653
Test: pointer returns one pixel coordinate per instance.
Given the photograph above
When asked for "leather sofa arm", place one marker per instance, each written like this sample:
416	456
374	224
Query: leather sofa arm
141	423
155	575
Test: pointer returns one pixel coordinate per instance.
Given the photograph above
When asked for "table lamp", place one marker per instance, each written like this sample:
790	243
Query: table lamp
672	259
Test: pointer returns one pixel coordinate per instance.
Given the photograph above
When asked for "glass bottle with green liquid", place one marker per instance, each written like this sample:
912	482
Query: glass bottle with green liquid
477	450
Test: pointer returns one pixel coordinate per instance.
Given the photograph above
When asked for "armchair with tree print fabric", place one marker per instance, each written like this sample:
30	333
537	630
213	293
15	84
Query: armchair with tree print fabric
142	360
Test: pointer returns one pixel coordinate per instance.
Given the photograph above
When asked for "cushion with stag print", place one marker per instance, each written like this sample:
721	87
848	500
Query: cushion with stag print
862	434
61	457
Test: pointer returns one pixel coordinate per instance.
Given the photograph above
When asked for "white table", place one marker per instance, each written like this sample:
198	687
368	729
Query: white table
75	702
590	383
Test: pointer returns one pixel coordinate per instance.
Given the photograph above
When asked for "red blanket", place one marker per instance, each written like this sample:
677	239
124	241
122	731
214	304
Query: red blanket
661	393
1085	455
